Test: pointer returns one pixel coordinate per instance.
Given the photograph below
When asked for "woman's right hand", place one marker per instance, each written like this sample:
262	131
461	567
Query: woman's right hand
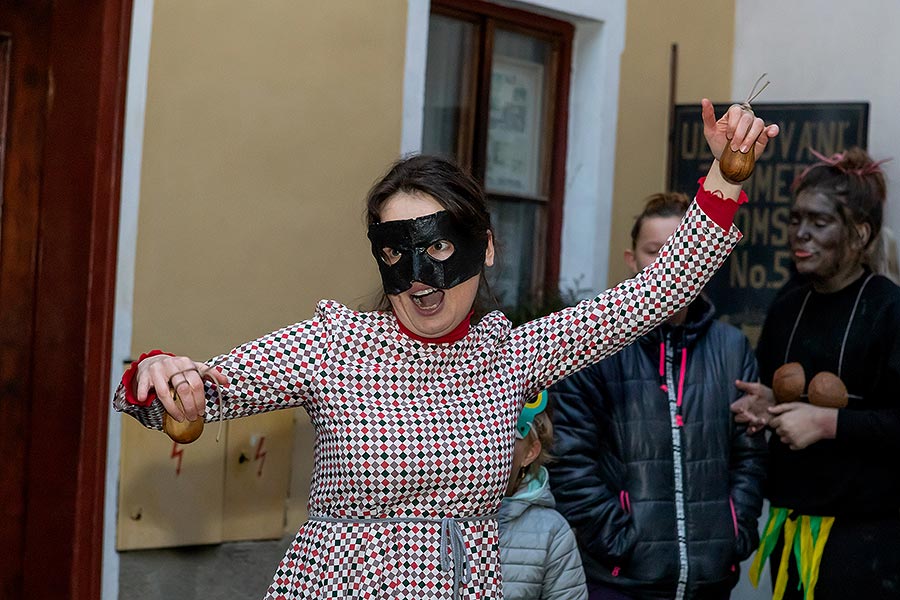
753	407
164	373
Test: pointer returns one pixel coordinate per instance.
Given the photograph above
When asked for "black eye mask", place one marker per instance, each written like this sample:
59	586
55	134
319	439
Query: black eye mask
412	238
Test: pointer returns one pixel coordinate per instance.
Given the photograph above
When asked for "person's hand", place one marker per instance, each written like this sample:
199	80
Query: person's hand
181	374
799	424
736	127
753	407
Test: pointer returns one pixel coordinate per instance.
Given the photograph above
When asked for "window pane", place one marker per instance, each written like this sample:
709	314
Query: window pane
518	265
449	89
517	139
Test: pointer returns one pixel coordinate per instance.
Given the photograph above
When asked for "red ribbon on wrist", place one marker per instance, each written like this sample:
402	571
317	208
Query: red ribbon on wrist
717	207
128	379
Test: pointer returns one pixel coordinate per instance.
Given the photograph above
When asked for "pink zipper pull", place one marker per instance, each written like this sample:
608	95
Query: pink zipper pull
662	367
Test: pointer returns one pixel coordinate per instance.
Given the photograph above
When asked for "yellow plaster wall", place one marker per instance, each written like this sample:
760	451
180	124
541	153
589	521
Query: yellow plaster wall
266	123
704	32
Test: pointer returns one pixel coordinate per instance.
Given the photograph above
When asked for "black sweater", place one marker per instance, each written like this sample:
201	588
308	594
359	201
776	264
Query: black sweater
855	474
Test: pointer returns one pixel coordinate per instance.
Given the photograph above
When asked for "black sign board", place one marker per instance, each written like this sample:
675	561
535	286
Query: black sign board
761	264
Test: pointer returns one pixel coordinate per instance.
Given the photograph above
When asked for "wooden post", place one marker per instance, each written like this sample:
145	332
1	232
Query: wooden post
673	81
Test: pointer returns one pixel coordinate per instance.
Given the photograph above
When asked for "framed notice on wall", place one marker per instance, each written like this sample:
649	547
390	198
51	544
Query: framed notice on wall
761	264
514	127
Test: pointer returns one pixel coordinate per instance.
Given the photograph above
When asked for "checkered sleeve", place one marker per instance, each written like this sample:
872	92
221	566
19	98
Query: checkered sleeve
553	347
275	371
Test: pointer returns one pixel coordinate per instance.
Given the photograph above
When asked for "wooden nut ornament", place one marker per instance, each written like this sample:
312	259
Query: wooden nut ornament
826	389
788	383
737	166
184	432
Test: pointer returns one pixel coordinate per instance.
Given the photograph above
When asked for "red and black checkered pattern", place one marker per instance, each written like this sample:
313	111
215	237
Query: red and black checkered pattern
407	429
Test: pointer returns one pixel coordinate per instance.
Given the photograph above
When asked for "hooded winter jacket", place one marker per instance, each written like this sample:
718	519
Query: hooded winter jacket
538	554
662	488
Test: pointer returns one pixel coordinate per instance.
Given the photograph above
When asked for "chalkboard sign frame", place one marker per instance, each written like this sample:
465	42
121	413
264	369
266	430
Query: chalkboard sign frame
748	282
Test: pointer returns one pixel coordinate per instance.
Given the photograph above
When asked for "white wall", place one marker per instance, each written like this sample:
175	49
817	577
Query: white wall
827	50
132	152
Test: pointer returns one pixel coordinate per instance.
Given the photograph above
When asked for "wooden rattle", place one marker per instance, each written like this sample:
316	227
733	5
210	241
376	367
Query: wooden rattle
737	166
188	431
788	383
826	389
184	432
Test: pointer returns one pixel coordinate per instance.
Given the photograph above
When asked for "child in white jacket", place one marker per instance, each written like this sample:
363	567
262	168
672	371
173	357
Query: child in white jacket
538	553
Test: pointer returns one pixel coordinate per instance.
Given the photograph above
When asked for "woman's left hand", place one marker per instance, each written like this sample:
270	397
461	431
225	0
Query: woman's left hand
752	408
737	127
799	424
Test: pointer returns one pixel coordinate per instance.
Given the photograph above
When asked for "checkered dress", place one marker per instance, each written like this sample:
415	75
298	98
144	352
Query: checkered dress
420	431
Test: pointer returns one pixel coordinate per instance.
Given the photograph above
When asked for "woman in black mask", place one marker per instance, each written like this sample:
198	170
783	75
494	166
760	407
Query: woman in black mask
415	407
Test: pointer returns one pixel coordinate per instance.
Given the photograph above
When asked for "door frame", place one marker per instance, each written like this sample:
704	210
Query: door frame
63	397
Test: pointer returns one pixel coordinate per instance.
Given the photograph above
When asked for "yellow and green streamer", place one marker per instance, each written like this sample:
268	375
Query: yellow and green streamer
805	536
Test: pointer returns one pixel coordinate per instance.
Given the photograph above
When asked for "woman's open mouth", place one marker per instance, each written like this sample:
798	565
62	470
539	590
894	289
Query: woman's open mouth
429	299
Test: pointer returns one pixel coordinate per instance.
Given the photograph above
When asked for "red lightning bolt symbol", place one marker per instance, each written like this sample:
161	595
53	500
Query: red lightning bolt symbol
177	453
260	455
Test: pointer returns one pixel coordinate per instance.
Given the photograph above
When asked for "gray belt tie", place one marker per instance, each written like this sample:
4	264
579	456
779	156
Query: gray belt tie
451	537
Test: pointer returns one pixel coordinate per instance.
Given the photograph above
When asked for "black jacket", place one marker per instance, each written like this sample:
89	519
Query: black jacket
626	444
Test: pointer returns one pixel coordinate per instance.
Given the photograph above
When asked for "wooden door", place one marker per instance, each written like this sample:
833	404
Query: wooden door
23	105
62	87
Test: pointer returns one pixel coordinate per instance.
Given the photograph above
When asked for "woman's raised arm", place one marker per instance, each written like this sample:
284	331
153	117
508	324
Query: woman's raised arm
573	338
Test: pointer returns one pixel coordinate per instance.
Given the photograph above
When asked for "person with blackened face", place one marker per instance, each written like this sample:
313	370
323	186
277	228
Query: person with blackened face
415	405
829	359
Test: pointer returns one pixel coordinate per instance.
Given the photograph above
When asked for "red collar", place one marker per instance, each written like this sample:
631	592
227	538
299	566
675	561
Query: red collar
458	333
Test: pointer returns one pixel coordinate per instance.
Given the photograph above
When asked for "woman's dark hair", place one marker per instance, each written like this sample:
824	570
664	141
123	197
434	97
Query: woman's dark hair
443	180
667	204
451	187
854	182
